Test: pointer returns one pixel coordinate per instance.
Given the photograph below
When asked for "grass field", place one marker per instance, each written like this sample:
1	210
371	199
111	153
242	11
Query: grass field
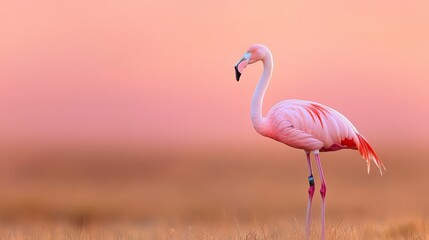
229	229
217	193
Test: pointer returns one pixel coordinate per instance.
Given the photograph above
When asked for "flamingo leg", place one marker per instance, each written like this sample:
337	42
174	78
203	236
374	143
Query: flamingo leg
310	197
322	191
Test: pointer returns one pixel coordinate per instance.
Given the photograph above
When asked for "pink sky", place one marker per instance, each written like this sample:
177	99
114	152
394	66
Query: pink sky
162	71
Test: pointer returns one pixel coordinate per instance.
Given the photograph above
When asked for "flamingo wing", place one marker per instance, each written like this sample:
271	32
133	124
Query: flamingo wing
312	126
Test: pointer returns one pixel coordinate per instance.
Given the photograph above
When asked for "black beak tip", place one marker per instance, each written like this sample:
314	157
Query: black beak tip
237	74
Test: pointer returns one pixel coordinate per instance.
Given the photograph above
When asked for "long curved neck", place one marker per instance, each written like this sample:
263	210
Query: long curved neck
258	96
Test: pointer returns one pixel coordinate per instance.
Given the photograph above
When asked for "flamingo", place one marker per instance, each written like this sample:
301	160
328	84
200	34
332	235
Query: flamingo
305	125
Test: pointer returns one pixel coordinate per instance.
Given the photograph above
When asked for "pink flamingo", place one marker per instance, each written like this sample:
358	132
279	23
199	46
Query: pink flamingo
305	125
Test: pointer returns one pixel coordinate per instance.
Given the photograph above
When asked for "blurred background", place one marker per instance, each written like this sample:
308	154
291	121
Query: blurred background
130	110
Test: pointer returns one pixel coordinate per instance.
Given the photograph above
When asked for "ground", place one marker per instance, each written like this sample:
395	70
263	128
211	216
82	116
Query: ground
209	193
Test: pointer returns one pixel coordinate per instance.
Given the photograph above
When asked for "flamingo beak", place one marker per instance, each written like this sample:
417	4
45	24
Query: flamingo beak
239	67
237	73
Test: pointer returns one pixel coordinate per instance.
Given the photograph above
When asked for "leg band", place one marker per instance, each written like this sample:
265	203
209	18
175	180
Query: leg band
311	180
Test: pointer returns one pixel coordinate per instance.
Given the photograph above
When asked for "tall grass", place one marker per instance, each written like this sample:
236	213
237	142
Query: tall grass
228	230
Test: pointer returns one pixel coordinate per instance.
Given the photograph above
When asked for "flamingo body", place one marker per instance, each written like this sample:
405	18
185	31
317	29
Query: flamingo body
312	126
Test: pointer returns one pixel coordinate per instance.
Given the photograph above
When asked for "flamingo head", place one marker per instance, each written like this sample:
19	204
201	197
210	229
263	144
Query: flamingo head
253	54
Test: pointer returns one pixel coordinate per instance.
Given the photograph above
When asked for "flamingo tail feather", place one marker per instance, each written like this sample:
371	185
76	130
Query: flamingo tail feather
368	153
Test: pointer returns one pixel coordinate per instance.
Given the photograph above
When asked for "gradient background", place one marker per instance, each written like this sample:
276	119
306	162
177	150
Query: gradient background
155	80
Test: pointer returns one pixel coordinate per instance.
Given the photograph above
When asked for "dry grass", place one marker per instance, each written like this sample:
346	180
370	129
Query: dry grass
228	230
251	194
